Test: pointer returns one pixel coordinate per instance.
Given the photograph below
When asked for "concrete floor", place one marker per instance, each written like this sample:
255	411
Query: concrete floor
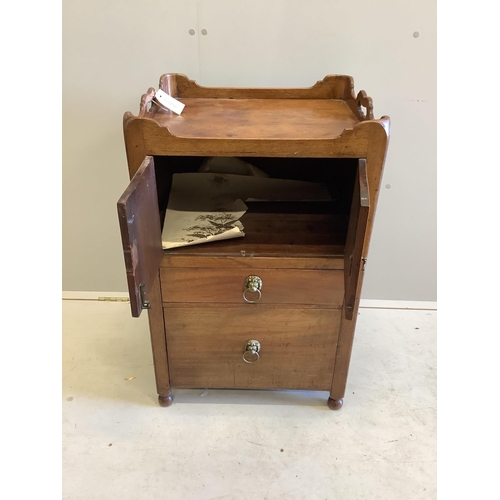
119	444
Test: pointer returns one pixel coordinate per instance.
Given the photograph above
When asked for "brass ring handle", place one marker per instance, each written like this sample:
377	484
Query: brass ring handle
251	351
253	284
250	301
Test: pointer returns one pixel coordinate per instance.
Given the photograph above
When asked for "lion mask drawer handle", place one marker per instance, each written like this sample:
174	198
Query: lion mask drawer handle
251	352
253	284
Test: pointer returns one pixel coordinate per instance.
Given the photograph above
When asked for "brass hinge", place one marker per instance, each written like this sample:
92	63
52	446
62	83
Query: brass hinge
145	304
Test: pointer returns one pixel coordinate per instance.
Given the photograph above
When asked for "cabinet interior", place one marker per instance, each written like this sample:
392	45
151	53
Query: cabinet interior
277	229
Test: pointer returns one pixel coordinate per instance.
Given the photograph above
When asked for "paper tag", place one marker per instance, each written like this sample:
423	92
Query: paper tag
169	102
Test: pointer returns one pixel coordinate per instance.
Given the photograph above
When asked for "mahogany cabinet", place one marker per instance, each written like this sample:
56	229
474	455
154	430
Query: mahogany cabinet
277	308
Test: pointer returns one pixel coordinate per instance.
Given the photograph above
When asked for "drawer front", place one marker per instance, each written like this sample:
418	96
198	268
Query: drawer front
206	345
279	286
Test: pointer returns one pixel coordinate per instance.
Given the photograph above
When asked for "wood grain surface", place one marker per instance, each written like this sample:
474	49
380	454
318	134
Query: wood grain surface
139	219
356	237
280	235
226	286
297	119
250	261
158	340
206	345
146	137
331	87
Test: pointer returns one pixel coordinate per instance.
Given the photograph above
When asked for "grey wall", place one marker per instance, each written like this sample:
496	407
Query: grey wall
114	51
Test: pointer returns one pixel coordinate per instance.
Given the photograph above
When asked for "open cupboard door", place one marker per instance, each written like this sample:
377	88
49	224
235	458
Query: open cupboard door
356	232
141	234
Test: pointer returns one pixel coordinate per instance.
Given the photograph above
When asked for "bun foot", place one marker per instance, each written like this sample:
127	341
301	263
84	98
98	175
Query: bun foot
335	404
165	400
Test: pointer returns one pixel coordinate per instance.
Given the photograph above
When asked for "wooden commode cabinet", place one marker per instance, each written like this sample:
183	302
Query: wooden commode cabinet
277	308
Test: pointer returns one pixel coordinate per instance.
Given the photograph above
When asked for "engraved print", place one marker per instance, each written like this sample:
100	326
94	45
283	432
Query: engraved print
217	223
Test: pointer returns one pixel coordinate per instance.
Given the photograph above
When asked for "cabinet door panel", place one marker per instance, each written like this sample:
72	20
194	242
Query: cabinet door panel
356	233
141	234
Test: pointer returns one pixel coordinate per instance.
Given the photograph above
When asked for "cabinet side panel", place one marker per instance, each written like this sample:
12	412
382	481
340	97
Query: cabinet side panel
158	340
134	142
375	158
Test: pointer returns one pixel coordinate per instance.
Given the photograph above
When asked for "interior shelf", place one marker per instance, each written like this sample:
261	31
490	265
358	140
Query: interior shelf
280	233
278	229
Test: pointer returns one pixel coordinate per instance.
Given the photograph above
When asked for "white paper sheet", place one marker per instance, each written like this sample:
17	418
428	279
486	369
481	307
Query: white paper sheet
182	228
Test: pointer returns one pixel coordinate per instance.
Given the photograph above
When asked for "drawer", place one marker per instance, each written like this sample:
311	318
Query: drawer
205	346
279	286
